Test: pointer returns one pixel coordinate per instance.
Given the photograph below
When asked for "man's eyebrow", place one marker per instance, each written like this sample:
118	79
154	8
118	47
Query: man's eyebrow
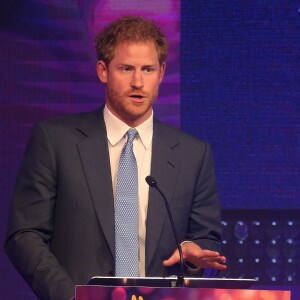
148	66
124	65
132	66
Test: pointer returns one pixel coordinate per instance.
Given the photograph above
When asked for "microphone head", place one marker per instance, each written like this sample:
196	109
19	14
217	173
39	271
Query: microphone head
151	181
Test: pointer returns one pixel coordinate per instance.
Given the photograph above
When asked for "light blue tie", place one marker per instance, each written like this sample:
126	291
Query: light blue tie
126	212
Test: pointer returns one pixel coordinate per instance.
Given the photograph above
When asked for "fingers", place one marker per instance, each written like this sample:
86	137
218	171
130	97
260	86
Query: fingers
209	253
173	259
198	257
214	262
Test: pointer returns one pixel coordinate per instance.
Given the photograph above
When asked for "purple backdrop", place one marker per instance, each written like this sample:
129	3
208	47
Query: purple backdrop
239	85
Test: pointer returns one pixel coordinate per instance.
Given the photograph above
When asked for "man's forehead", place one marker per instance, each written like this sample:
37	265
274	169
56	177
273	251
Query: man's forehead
131	50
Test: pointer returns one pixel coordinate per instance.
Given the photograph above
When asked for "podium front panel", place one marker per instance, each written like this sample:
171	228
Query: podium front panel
84	292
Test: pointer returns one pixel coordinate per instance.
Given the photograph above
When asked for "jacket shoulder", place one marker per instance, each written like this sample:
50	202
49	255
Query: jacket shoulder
70	119
175	134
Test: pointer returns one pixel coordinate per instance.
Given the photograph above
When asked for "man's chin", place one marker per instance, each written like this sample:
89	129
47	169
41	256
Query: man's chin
138	114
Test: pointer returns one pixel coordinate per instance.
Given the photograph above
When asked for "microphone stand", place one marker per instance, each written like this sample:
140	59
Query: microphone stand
152	183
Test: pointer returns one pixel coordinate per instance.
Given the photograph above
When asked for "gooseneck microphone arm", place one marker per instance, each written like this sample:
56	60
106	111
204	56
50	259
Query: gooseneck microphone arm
152	183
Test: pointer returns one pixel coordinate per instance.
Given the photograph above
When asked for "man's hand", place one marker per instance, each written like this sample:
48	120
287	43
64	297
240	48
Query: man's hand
198	257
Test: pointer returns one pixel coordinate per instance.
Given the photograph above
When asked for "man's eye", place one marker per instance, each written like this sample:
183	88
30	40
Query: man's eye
149	70
126	69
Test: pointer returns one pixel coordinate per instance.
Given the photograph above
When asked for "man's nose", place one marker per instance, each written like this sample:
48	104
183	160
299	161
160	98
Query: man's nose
137	80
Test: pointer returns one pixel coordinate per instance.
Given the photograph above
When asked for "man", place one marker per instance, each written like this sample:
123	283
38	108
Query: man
61	229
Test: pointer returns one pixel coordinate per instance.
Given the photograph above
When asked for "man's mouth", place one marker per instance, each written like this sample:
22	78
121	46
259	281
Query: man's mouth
137	96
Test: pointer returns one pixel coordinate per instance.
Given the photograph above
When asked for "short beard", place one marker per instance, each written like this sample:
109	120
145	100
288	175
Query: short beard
118	103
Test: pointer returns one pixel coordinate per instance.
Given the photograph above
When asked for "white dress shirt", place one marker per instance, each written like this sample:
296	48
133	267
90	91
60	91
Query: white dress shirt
142	148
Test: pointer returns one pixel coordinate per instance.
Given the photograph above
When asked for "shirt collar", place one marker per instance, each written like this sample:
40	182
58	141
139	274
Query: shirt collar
116	129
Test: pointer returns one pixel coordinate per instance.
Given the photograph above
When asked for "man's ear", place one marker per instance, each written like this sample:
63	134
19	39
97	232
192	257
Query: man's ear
162	71
102	71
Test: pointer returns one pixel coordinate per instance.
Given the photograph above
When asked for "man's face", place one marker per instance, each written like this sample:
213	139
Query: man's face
132	77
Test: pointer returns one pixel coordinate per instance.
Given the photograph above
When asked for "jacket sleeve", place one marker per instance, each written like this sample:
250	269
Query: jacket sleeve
30	223
204	224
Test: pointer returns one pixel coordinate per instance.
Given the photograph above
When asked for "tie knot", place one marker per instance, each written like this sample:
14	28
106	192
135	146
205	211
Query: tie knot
132	132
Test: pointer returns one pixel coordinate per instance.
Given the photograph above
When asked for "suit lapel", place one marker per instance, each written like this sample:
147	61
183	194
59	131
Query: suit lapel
94	156
164	168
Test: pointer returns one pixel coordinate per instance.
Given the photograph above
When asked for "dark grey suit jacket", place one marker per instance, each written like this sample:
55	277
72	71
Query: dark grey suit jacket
61	224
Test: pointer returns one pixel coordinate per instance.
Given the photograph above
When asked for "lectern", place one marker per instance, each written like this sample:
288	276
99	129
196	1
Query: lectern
155	288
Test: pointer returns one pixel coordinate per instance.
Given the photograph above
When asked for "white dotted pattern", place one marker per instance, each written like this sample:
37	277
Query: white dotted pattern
126	212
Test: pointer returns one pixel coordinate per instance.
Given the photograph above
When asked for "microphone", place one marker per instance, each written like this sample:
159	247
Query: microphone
152	183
